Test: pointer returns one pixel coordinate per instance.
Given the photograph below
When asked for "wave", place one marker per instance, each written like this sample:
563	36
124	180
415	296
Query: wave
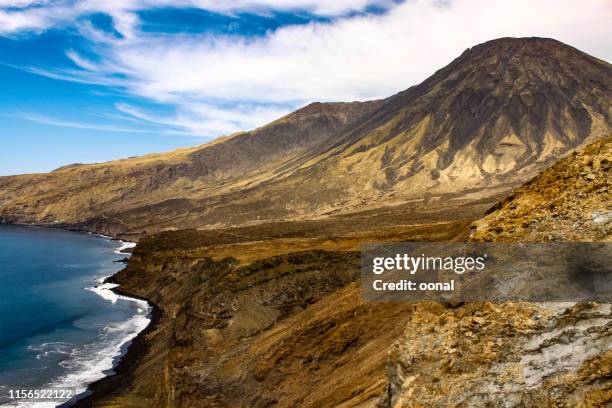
101	235
94	361
124	245
91	362
79	265
54	347
105	291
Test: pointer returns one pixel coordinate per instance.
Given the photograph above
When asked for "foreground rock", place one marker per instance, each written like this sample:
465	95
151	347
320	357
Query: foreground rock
504	355
518	354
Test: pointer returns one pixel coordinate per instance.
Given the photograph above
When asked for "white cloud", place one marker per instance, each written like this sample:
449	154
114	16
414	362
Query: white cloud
18	21
357	58
320	7
351	58
80	61
21	3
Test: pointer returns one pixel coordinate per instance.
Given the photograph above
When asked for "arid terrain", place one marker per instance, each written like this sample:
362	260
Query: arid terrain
271	315
249	246
519	354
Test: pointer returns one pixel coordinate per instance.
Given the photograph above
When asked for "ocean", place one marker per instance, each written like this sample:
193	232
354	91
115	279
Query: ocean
59	326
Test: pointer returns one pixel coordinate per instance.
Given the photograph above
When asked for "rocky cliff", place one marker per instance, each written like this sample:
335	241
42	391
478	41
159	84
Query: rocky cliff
518	354
267	315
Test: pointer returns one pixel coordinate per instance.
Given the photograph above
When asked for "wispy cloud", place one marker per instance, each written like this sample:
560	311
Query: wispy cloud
32	117
198	119
20	15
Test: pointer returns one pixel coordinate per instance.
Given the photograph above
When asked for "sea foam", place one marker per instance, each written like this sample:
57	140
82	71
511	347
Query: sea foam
124	245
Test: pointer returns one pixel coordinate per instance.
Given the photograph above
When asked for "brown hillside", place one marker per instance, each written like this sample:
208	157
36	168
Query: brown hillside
488	121
76	193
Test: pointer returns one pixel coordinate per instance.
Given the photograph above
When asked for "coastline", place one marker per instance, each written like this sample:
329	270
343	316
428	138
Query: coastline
123	364
131	352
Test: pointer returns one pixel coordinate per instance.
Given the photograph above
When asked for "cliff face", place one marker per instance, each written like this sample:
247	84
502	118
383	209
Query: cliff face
267	315
492	118
518	354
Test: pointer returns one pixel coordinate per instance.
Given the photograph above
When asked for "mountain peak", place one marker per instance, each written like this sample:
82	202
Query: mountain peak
534	92
519	42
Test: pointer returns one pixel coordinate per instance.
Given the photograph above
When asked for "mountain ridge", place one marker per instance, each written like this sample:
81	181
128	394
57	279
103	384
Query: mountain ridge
489	120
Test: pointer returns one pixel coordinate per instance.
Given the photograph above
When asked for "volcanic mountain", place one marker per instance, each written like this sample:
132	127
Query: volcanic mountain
489	120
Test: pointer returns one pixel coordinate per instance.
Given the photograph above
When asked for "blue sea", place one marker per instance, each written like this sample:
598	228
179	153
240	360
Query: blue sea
59	325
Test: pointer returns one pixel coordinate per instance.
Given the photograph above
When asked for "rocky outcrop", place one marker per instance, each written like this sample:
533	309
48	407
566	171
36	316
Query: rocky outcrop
518	354
503	355
570	201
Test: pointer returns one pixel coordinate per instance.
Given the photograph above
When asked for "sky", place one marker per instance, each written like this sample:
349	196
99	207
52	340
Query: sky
93	80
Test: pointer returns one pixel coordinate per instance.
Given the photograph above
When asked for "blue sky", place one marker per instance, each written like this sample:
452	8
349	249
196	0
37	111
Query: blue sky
95	80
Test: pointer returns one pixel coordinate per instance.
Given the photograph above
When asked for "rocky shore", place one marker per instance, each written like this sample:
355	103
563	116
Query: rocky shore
123	372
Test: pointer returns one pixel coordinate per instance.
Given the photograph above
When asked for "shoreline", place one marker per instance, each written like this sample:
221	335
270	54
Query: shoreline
125	364
131	352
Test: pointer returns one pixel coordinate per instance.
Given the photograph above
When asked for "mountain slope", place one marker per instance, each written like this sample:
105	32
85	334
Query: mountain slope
496	115
488	121
75	193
